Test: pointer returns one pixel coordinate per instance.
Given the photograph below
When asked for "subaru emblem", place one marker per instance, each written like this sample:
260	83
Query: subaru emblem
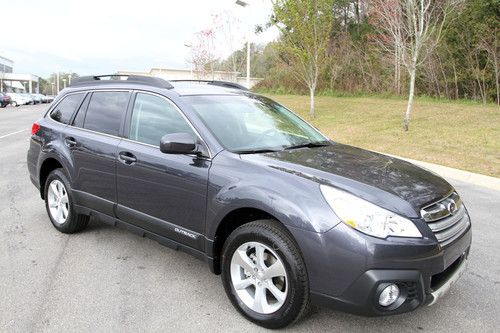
452	206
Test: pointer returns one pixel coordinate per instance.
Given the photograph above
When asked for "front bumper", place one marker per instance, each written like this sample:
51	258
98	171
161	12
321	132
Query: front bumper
359	267
362	296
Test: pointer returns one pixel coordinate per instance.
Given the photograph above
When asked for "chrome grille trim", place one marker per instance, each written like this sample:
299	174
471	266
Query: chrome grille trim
446	226
447	222
449	235
439	210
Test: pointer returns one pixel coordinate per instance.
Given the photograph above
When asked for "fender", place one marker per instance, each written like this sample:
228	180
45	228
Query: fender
313	216
58	151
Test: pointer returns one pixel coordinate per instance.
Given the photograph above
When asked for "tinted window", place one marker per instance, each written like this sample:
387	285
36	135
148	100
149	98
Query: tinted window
64	110
80	116
153	117
105	111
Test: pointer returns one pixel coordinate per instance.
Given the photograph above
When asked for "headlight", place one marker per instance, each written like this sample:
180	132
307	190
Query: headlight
367	217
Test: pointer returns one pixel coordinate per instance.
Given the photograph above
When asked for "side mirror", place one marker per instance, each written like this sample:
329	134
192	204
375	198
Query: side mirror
177	143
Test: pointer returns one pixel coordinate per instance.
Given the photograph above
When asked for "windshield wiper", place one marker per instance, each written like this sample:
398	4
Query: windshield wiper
309	145
257	151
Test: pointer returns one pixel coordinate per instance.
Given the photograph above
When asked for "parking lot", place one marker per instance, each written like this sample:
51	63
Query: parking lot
106	279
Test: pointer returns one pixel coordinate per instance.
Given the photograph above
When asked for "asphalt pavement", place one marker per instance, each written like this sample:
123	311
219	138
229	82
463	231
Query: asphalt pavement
106	279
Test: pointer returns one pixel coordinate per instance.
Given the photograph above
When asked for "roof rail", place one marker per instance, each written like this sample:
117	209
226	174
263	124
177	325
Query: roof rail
226	84
117	78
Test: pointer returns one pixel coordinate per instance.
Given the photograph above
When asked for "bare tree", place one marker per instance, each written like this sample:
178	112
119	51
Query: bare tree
203	54
415	28
305	33
226	23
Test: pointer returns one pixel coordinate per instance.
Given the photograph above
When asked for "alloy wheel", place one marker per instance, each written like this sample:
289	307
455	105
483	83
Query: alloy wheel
259	277
58	201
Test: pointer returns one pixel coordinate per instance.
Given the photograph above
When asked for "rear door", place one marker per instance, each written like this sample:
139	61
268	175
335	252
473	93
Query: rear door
93	139
163	193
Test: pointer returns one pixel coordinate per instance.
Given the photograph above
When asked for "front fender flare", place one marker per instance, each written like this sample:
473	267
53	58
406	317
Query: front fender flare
300	212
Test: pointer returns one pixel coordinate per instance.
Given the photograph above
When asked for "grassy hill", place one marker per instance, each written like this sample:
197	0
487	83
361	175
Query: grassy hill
462	135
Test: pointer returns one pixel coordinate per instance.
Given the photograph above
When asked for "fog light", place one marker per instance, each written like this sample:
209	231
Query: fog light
389	295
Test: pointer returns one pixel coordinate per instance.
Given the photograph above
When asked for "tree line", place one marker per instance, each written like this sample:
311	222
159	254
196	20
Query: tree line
447	48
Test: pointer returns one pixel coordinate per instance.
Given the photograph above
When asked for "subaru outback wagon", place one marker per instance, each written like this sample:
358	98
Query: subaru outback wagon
288	217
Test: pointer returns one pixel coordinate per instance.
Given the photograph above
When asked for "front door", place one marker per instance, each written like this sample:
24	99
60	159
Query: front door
162	193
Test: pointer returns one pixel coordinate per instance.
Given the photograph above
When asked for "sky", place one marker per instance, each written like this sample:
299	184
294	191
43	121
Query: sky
104	36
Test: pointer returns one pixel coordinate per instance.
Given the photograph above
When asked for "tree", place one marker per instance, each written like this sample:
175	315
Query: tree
414	27
48	85
471	52
226	24
487	14
203	54
305	27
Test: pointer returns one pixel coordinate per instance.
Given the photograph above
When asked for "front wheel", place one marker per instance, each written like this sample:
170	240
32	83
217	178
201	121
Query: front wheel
264	274
59	204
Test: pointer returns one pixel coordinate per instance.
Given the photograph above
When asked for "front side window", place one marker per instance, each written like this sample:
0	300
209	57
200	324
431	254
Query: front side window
64	110
153	117
246	124
105	111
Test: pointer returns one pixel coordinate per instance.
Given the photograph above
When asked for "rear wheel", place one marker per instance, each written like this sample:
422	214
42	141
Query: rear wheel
264	274
59	204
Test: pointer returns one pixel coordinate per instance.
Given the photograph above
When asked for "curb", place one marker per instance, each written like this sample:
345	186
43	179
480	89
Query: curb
457	174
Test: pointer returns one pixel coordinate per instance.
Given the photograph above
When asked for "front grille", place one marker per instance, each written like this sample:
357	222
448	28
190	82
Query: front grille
446	218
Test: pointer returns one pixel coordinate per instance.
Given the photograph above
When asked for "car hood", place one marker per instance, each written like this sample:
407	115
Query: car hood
386	181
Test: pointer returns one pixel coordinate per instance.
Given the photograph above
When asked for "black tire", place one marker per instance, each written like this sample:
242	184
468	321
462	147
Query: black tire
273	235
74	222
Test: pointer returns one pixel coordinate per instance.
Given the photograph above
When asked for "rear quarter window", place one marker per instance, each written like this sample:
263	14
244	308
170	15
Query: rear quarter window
64	110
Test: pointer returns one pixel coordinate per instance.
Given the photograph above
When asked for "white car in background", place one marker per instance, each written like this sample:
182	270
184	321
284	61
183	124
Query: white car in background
18	99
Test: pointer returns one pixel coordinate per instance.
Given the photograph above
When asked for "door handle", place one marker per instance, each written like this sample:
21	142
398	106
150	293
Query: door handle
70	141
127	158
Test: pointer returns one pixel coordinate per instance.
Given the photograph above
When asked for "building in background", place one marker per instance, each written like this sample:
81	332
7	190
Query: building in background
16	82
188	74
6	65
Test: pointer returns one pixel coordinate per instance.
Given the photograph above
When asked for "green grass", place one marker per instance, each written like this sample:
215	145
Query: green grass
456	134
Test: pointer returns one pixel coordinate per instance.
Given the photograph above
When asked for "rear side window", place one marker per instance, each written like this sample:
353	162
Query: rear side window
105	111
64	110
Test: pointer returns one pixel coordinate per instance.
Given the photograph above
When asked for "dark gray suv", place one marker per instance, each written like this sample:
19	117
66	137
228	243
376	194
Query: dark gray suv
288	217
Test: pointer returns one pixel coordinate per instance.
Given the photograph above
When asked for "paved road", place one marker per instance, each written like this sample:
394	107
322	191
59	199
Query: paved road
106	279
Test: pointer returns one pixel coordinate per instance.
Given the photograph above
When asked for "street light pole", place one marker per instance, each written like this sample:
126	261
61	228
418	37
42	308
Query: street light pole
248	63
57	82
190	47
244	4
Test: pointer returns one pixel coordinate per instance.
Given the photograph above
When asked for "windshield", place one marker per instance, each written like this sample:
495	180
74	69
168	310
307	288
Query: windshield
246	124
